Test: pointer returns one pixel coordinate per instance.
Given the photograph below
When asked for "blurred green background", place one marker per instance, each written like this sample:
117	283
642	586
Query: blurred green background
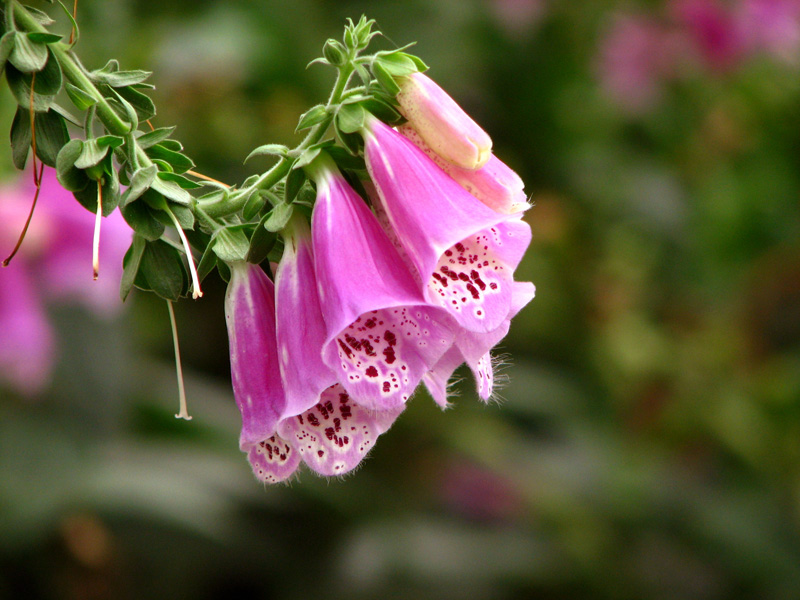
647	444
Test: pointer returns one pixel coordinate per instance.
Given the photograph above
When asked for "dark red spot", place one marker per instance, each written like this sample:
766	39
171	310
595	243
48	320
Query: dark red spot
313	420
354	343
346	411
463	277
320	453
440	279
371	371
448	253
474	291
368	348
389	355
370	323
493	285
390	338
460	247
344	347
477	279
386	386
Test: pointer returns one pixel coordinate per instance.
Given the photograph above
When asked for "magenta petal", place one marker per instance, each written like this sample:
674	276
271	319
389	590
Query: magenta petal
382	337
26	339
273	460
437	380
335	435
433	215
250	316
300	327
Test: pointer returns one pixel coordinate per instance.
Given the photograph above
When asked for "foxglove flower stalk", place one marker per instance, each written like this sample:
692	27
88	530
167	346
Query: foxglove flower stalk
462	252
54	263
382	335
495	183
442	123
329	432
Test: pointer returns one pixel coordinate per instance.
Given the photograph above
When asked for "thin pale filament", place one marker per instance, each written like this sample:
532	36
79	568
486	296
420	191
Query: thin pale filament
74	16
206	178
96	240
30	216
183	412
196	291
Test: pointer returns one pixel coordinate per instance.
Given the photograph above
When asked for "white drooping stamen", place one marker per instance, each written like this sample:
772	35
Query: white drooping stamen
96	240
196	291
183	413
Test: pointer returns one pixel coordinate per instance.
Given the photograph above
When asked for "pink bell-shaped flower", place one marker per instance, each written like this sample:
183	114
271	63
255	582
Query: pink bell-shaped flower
462	252
382	334
442	123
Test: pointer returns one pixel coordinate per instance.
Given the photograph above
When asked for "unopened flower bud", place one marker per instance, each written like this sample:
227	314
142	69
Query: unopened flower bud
443	124
334	52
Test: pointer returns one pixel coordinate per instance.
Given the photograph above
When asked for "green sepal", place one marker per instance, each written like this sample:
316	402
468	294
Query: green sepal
278	217
6	46
383	110
140	182
255	202
207	263
307	156
396	64
231	243
28	56
180	162
334	52
224	271
269	149
110	183
385	78
73	23
183	182
93	152
173	145
78	97
345	160
352	142
41	17
313	116
294	180
363	74
51	136
350	118
130	265
20	85
20	137
42	37
261	242
161	271
140	217
142	103
151	138
71	178
172	191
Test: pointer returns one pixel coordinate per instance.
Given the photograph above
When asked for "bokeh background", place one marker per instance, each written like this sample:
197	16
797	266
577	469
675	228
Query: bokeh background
647	444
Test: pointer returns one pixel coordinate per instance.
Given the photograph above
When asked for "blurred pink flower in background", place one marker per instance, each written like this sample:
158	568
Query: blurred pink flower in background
53	264
713	31
518	17
635	59
773	26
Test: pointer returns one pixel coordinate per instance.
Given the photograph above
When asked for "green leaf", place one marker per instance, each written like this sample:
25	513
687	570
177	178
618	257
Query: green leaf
261	243
278	217
70	178
345	160
73	23
384	111
254	204
43	37
294	180
20	137
51	136
385	79
207	263
154	137
139	184
363	74
78	97
161	270
88	195
173	145
27	55
91	155
231	244
350	118
183	214
119	79
139	216
180	162
269	149
313	116
129	113
130	265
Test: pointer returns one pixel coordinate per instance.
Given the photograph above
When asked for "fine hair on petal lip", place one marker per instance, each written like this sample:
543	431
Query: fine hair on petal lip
501	363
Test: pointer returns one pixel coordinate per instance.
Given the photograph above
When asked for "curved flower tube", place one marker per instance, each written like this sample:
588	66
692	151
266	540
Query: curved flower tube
442	123
382	334
463	252
495	183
